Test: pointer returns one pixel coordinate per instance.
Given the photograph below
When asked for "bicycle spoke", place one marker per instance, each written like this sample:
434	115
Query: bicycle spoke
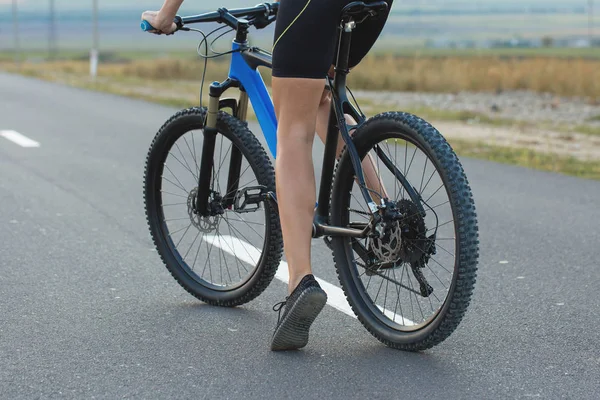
428	180
224	257
409	294
179	230
416	298
220	254
423	176
359	203
378	290
186	231
395	158
439	226
258	234
181	185
237	181
378	176
186	166
434	193
176	219
431	258
386	291
194	241
367	288
197	251
232	191
398	300
207	262
173	194
245	238
436	239
440	247
235	257
248	222
192	153
176	185
411	161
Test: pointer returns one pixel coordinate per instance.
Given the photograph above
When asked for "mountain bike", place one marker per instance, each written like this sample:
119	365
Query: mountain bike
405	248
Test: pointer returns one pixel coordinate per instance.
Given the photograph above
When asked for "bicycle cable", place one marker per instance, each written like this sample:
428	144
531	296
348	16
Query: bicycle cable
355	102
206	56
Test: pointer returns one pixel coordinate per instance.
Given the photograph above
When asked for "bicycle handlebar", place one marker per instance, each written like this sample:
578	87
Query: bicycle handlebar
222	15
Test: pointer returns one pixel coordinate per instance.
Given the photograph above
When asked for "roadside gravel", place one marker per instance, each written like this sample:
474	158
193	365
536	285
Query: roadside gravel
516	105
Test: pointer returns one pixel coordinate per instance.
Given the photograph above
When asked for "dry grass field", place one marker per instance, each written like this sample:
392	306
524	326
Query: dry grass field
439	74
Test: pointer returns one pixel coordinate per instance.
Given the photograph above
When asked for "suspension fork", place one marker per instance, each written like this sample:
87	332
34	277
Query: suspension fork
235	162
210	137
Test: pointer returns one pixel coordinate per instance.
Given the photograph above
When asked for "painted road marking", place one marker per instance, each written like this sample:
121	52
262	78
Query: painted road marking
247	253
19	139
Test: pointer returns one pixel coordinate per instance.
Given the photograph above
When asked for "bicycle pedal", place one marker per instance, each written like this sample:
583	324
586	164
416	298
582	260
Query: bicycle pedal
248	199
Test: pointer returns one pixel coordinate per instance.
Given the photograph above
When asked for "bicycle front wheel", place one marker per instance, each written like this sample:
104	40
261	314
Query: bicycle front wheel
230	256
411	283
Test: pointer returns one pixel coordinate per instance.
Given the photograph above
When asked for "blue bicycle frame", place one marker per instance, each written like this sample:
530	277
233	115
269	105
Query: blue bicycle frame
252	82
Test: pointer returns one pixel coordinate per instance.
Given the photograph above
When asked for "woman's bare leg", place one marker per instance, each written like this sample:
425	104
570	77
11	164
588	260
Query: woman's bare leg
369	170
296	103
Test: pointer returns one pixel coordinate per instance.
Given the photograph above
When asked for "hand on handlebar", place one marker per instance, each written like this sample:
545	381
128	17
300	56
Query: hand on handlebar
160	23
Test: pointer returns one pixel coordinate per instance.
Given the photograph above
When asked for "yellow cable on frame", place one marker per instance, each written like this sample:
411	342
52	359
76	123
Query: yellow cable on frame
290	25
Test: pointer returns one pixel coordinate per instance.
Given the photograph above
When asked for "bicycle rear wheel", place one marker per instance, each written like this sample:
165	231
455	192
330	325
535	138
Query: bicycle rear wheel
229	257
411	286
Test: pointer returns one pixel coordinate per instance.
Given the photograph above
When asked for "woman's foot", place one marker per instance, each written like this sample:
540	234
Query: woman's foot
297	313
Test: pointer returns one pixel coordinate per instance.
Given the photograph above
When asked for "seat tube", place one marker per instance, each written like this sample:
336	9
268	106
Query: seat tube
343	55
336	122
339	88
328	166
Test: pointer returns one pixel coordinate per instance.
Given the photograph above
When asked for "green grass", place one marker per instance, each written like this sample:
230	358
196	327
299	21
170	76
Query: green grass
528	158
595	118
587	129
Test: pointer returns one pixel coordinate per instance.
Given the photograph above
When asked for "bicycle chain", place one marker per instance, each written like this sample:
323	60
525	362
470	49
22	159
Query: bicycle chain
359	212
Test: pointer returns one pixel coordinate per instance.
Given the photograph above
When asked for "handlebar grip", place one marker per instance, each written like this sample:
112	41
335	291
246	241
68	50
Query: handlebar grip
146	27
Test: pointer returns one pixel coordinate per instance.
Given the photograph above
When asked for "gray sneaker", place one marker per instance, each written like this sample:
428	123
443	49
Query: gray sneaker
299	312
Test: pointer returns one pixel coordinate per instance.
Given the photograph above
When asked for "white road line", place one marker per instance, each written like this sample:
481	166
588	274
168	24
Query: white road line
249	254
19	139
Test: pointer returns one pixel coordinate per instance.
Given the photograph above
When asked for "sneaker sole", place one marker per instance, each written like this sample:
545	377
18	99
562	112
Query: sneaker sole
292	333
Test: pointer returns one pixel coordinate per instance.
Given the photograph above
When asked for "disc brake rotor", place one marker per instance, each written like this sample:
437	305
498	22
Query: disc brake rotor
203	224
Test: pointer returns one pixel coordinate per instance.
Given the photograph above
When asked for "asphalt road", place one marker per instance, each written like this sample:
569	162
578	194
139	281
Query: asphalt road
87	310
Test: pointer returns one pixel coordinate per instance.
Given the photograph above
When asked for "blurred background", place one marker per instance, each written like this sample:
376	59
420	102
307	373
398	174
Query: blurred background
512	81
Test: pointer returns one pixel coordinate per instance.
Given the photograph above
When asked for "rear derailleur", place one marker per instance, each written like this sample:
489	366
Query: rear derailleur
399	237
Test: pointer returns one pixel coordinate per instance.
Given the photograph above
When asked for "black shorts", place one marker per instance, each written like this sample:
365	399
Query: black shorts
306	33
